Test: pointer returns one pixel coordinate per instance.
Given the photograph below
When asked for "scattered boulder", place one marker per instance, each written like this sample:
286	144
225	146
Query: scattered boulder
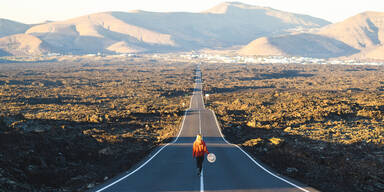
251	123
106	151
291	170
253	142
91	185
276	141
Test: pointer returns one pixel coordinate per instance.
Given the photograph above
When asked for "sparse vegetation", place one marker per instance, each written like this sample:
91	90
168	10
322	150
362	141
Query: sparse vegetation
321	124
72	125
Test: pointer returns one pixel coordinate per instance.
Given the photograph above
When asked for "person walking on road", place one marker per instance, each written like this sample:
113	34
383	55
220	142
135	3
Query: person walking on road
199	149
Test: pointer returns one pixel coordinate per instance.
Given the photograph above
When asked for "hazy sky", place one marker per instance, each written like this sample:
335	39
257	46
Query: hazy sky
35	11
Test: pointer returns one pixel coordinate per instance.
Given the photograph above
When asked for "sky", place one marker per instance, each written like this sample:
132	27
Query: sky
37	11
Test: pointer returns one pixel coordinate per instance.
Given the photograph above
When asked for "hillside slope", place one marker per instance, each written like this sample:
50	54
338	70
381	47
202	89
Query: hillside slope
226	25
361	31
94	33
358	37
22	44
8	27
304	44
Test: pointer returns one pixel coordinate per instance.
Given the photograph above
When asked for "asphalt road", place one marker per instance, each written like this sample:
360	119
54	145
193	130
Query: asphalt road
172	168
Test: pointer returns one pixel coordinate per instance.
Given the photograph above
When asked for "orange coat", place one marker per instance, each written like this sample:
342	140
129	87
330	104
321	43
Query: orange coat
199	148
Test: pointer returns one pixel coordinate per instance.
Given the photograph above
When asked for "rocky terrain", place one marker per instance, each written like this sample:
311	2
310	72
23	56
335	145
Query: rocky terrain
71	125
320	124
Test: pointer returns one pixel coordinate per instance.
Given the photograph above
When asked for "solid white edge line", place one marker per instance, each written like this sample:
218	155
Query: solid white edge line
202	181
146	162
266	170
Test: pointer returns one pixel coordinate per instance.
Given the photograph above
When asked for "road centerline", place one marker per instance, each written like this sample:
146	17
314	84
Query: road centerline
202	182
200	121
218	179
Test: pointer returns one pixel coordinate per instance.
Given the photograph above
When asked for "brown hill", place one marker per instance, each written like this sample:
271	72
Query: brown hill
261	46
365	30
375	53
358	37
304	44
141	31
266	16
94	33
22	44
123	47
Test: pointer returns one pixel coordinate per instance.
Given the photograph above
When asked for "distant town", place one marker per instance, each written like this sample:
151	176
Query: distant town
199	57
273	60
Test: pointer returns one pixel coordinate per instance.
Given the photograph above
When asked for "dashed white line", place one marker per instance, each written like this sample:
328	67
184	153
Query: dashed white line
202	181
202	171
200	121
153	156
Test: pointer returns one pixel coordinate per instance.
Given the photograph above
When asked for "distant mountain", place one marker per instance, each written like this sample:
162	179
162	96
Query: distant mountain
375	53
97	33
4	53
22	44
359	37
365	30
226	25
268	17
238	25
8	27
304	44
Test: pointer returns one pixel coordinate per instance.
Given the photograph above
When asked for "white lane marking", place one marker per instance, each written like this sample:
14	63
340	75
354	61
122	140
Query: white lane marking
201	90
266	170
202	171
200	121
146	162
202	181
202	100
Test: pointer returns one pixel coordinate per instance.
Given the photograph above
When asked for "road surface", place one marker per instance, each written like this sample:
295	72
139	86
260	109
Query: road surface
172	168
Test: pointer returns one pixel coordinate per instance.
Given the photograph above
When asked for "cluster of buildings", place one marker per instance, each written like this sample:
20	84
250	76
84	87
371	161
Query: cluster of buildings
209	58
272	60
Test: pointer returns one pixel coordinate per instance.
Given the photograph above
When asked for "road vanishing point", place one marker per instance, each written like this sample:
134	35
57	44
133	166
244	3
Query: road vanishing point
171	167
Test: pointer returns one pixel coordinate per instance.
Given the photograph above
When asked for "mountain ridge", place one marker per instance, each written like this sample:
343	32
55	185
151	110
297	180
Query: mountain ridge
9	27
143	31
358	37
360	31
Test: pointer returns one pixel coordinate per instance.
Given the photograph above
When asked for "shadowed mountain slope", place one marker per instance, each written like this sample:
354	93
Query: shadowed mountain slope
359	37
4	53
8	27
22	44
304	44
361	31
